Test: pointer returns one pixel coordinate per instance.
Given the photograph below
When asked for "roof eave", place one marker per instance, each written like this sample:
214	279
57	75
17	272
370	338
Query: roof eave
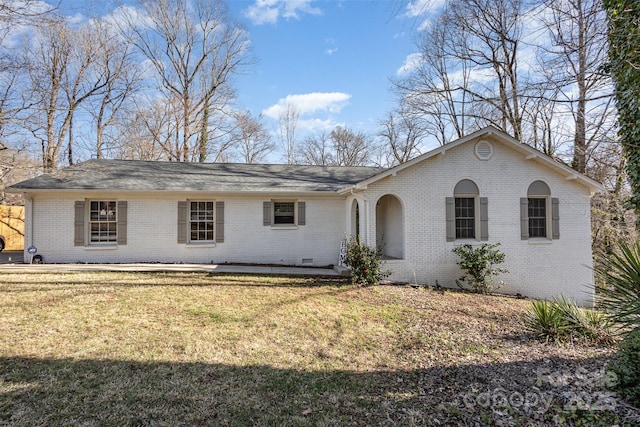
91	191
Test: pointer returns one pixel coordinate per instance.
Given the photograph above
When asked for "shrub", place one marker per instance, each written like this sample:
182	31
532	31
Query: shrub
626	366
365	263
478	264
545	319
619	292
619	295
562	319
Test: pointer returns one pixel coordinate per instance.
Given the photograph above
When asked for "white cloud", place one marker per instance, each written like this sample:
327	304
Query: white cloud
411	62
310	103
19	26
423	7
269	11
332	47
317	125
125	16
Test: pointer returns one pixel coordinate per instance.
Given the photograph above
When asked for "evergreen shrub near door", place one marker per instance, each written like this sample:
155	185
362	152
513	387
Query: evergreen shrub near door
479	268
365	263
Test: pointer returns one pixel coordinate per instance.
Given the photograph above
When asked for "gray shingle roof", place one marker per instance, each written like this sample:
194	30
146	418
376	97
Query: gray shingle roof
131	175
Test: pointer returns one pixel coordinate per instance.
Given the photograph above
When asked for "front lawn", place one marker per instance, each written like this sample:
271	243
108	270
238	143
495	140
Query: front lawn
171	349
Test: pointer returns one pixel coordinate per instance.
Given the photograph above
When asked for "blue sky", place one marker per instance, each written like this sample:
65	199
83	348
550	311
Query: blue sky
333	59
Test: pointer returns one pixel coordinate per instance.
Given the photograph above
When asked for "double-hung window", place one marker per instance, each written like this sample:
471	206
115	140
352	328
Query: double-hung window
537	210
539	213
283	213
103	223
465	218
467	213
100	223
201	221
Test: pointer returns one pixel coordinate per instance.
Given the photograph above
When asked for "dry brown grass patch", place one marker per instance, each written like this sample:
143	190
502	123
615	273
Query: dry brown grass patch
196	349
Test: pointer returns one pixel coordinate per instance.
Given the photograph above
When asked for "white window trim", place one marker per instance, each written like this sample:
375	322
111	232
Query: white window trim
87	220
476	218
294	225
548	221
200	243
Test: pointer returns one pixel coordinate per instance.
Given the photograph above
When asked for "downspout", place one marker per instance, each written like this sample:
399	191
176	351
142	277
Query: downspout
28	243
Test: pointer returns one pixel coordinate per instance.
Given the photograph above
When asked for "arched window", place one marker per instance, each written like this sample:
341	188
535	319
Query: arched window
467	213
539	213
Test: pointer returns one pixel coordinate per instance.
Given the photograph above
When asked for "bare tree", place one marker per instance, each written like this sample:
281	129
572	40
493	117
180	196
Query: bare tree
62	76
401	134
469	76
342	147
317	150
122	75
250	138
488	40
573	67
287	124
194	49
350	147
14	17
434	90
144	131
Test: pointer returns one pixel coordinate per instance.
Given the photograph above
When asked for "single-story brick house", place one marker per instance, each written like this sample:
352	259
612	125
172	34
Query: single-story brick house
484	187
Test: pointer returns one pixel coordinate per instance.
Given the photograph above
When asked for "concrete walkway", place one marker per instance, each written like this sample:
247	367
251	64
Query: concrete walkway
7	265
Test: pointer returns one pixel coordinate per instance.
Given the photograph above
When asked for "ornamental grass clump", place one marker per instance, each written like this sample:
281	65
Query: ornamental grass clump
562	319
619	289
618	294
479	268
365	263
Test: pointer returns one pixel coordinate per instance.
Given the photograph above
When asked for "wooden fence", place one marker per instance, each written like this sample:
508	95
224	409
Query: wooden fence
12	227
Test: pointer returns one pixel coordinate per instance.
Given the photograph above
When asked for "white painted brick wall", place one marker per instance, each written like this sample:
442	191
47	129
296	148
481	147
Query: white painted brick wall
152	233
535	269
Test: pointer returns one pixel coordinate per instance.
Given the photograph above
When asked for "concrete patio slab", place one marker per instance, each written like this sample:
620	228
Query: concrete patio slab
8	266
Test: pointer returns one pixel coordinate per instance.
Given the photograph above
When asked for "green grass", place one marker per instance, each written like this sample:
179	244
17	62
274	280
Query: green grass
194	349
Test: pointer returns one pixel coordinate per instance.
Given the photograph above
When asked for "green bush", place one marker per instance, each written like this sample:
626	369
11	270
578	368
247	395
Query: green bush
546	320
626	366
619	289
562	319
365	263
618	294
478	264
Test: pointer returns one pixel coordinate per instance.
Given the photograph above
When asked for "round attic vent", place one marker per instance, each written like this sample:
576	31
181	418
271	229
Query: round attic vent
484	150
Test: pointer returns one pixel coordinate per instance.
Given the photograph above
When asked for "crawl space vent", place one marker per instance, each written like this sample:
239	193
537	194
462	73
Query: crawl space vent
484	150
